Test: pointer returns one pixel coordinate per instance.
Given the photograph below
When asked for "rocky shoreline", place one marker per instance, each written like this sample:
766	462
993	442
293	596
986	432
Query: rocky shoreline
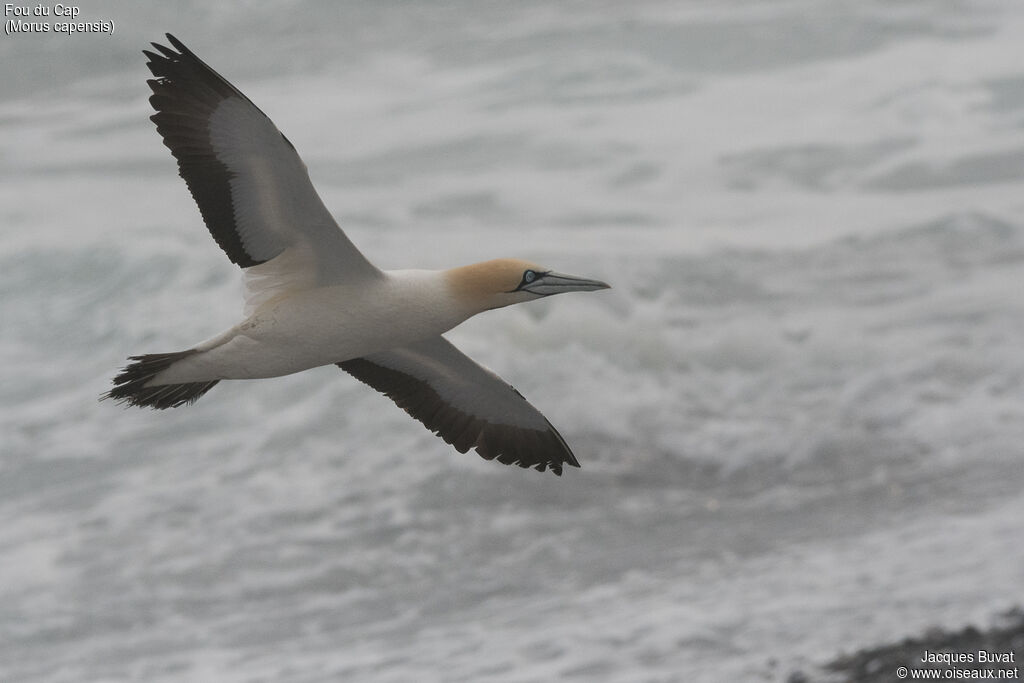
968	654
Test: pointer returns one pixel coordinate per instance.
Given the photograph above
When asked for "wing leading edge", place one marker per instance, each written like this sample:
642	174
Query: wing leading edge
252	189
464	403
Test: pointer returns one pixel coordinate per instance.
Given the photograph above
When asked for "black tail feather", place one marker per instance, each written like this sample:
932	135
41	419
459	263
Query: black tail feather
130	385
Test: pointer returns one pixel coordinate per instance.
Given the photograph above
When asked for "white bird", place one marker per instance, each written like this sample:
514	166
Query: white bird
313	299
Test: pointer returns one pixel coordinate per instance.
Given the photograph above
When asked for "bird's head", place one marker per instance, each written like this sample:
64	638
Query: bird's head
502	282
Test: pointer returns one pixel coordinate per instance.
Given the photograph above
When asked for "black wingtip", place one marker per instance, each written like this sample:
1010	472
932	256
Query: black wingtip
180	46
167	52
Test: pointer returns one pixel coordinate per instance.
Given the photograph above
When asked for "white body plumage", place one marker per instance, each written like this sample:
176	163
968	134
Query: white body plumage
299	330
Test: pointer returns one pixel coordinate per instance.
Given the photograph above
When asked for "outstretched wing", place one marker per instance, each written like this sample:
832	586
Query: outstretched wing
465	404
252	188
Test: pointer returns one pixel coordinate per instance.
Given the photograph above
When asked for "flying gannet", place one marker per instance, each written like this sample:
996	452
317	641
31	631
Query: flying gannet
313	299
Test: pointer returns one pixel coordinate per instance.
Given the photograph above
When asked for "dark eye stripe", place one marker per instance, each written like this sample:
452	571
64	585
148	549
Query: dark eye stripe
529	277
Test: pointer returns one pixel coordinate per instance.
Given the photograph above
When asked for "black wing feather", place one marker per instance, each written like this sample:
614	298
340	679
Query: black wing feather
186	92
541	448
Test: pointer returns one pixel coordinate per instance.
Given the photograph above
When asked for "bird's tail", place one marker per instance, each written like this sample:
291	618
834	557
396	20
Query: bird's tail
130	385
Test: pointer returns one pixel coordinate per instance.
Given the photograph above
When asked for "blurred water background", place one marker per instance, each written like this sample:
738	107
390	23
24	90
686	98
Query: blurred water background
800	411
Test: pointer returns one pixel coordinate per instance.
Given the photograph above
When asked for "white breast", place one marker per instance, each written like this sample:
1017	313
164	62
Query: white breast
309	328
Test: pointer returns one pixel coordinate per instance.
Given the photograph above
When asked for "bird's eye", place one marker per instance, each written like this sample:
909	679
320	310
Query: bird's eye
529	276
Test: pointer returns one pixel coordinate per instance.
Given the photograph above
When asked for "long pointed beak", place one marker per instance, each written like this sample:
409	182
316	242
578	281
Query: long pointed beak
557	283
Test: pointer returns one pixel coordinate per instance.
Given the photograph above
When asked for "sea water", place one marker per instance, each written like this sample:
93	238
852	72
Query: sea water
800	411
